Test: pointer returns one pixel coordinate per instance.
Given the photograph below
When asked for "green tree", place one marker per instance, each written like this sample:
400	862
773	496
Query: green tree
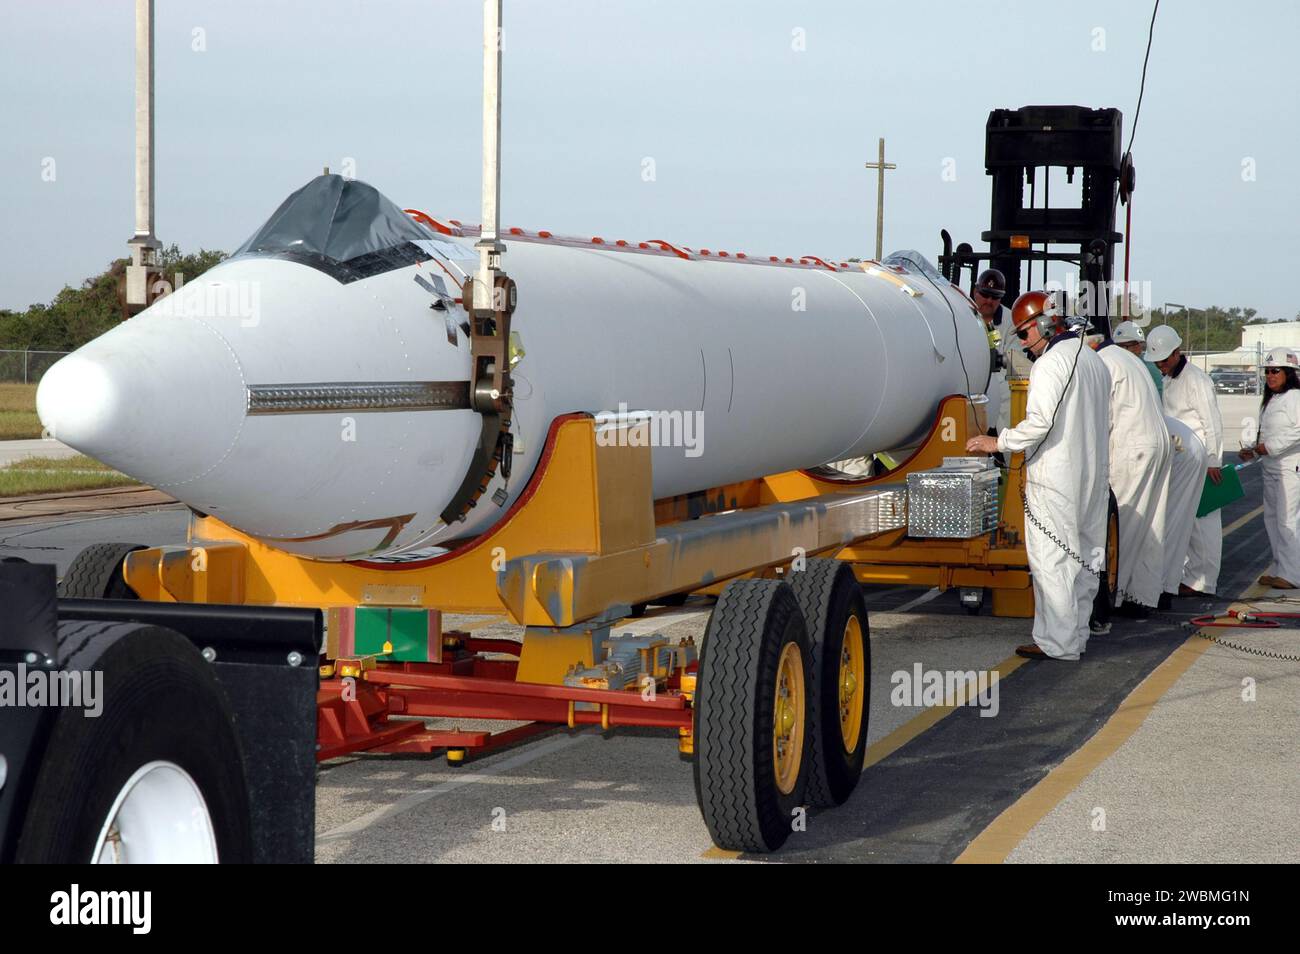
191	266
76	315
1209	329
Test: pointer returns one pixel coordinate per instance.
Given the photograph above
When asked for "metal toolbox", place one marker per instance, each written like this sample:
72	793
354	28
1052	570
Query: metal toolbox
958	500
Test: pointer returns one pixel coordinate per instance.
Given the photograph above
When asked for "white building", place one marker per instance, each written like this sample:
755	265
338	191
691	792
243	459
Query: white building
1256	340
1275	334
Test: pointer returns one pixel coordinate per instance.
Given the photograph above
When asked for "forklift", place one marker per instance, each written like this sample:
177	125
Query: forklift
1018	143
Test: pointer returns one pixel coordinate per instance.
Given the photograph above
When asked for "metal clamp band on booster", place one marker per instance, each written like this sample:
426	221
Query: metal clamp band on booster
491	392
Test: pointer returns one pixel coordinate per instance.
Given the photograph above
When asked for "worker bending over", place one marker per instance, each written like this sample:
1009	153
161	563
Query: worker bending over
1189	396
1133	339
1278	450
1139	477
1064	440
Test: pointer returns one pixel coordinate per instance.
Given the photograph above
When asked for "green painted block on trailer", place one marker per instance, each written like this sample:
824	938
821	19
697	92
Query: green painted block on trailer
410	632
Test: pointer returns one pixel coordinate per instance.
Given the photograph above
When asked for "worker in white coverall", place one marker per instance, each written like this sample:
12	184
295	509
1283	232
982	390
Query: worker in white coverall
1139	477
1278	450
1189	396
1133	339
990	288
1186	481
1064	438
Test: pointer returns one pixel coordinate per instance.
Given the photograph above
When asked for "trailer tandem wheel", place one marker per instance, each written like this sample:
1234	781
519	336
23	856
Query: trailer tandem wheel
836	616
1112	544
751	716
96	573
156	775
1108	586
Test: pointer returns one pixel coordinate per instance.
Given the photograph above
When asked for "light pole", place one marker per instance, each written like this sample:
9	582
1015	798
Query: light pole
1165	309
1205	365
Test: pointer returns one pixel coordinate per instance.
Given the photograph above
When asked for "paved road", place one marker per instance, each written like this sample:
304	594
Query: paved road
936	784
1240	413
11	451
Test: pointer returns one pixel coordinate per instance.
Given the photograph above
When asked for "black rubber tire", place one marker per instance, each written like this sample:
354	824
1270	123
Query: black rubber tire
828	594
160	701
735	781
1112	557
96	573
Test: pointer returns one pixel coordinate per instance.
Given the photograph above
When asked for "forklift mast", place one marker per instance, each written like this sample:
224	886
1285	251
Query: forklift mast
1019	142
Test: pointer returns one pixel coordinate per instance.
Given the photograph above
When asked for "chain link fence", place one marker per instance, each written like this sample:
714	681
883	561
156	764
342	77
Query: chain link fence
26	367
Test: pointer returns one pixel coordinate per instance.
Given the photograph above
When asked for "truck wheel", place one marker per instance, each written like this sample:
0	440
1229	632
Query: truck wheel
96	573
836	615
1112	545
751	716
1108	588
156	775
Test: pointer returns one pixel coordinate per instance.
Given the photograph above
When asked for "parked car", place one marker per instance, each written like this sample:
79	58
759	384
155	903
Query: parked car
1234	382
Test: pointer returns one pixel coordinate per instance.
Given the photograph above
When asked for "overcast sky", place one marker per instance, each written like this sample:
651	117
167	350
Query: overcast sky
757	116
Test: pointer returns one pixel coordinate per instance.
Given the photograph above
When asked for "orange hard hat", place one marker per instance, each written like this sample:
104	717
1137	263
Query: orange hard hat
1036	306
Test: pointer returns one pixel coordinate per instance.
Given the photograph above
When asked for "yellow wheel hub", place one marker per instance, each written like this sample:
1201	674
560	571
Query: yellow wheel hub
1112	553
852	679
788	719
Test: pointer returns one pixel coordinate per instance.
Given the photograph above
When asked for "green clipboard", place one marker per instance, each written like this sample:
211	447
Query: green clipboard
1221	494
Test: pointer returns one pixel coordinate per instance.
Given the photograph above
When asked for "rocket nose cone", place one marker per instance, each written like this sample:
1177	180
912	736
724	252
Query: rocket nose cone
161	399
76	400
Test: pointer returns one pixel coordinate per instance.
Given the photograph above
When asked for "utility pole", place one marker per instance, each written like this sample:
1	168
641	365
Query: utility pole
1207	340
1187	335
144	244
880	166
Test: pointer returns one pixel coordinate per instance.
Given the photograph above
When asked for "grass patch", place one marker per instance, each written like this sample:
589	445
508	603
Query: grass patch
18	420
19	425
18	397
46	475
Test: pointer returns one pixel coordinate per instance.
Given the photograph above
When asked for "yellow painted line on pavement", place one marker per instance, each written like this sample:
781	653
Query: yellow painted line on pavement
1242	521
1007	830
715	853
1000	838
908	731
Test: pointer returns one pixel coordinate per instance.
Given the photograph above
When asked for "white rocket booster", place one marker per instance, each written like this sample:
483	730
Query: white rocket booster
311	390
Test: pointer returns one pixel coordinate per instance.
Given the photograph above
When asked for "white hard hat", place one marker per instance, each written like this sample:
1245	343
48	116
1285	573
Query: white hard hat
1281	358
1126	332
1161	343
